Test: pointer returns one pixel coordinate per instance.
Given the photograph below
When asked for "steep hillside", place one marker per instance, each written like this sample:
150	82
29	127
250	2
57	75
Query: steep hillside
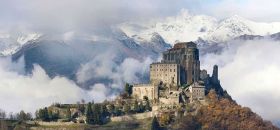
223	114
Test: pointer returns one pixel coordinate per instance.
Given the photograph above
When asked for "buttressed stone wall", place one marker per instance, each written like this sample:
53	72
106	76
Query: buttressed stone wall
139	91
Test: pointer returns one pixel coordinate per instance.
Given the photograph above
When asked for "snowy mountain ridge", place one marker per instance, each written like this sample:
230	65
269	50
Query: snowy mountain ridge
11	44
189	27
158	33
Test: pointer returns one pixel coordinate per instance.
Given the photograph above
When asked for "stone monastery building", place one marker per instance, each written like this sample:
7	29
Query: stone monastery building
176	78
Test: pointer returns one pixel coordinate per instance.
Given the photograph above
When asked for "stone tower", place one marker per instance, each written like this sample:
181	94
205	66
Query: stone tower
186	55
215	72
214	77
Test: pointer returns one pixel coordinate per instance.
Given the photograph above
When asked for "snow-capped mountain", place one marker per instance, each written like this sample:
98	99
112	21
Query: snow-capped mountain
29	37
155	34
65	57
189	27
11	44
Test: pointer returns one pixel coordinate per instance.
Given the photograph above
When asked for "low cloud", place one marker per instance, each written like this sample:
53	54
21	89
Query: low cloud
37	90
105	67
30	92
250	71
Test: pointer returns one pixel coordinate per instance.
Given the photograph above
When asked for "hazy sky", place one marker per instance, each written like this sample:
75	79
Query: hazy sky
61	15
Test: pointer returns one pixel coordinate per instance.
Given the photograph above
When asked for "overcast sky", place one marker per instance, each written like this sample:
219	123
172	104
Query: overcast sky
61	15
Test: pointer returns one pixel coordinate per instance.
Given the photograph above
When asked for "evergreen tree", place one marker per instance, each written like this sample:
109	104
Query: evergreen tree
147	106
22	116
141	107
46	114
40	114
104	111
155	124
81	107
145	98
55	116
117	111
97	114
89	114
43	114
50	115
68	113
128	89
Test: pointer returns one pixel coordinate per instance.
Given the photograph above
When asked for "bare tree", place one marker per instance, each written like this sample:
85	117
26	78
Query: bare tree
2	114
83	101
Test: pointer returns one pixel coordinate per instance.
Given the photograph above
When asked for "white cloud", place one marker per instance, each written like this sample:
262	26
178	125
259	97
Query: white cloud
250	71
20	92
259	10
31	92
104	66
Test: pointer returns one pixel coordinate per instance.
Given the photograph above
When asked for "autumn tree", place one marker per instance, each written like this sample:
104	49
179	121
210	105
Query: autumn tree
165	119
225	114
136	106
126	108
189	122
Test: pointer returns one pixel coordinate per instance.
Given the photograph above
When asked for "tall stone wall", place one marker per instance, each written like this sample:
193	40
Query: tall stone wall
197	92
138	116
168	73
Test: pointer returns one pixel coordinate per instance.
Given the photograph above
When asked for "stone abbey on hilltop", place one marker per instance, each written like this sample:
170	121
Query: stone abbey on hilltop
176	84
177	78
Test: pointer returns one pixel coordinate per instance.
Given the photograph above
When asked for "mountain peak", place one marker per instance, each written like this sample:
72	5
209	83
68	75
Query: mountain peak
184	13
28	37
189	27
235	19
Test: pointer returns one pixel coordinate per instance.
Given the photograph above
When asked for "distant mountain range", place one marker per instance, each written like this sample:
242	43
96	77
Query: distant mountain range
188	27
64	56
